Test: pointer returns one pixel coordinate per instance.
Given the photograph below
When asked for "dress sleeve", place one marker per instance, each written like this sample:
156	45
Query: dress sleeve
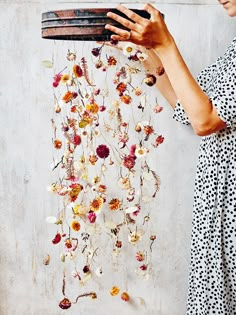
223	94
180	115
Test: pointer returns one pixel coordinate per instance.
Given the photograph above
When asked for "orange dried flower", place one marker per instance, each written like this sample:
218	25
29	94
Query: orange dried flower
75	225
111	61
75	190
114	204
65	78
57	144
114	291
93	159
121	87
69	96
126	99
102	188
96	204
92	108
125	296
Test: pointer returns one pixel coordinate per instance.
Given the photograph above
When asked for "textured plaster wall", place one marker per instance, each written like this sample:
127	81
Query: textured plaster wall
202	31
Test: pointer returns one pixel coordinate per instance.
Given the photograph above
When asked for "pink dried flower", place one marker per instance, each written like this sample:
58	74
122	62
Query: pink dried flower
132	150
140	256
157	109
92	217
102	108
102	151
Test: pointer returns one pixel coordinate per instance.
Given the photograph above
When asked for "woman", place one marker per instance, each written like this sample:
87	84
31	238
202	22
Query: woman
209	105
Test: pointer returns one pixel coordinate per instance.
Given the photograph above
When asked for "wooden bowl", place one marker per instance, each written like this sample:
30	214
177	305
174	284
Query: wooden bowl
81	24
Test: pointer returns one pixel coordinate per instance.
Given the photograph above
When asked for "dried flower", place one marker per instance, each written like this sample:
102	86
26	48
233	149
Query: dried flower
77	140
92	217
121	88
96	51
114	291
141	56
102	188
150	79
160	70
75	225
111	61
125	296
86	269
75	190
71	56
96	204
124	183
77	70
118	244
69	96
140	151
140	256
148	130
129	161
114	204
57	144
126	99
46	260
138	91
159	140
143	267
93	159
92	108
157	108
65	304
57	79
65	78
102	151
56	239
129	49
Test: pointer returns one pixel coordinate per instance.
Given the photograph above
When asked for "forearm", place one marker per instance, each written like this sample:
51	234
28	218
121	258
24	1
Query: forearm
200	111
163	84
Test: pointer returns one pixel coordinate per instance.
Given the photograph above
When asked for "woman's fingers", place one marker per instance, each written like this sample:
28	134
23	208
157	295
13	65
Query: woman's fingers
131	14
122	34
125	22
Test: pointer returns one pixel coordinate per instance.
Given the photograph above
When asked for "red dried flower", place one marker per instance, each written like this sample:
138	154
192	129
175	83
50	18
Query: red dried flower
159	140
56	239
65	304
148	130
77	140
129	161
78	72
102	151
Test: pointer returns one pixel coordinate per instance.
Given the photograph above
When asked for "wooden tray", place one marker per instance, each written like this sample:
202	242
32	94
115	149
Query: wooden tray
81	24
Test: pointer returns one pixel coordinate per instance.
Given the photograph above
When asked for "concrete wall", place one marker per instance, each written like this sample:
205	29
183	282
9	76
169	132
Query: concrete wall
202	31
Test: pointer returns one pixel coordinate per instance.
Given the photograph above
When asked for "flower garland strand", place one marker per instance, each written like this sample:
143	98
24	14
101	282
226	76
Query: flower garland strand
102	135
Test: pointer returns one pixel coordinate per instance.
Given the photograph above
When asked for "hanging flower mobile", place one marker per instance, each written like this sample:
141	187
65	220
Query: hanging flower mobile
104	136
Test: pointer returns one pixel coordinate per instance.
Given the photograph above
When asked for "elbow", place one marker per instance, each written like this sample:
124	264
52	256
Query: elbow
207	128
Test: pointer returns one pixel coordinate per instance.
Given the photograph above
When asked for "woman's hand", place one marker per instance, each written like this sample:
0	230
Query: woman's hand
150	33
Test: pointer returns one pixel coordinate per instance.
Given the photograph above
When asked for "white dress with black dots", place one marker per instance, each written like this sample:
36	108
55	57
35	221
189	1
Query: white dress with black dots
212	280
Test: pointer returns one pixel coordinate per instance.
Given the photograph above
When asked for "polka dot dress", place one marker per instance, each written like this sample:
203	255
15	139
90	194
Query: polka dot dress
212	280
